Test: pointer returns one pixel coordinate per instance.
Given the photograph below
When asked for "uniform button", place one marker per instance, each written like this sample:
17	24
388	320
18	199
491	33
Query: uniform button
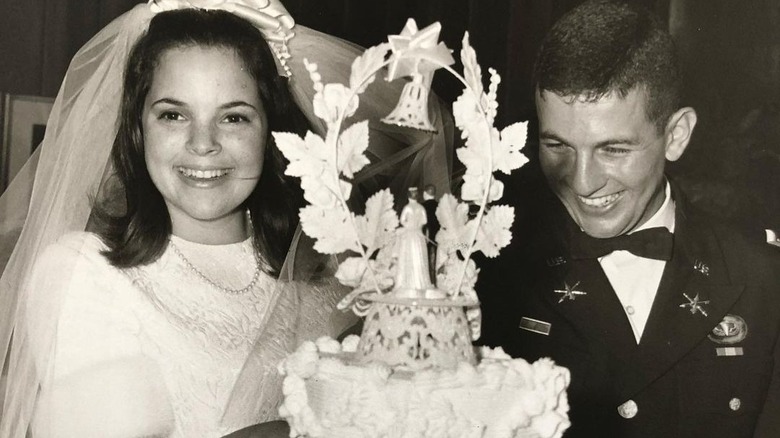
628	409
735	404
630	310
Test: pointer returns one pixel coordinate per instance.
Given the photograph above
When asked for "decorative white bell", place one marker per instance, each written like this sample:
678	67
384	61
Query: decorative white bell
412	108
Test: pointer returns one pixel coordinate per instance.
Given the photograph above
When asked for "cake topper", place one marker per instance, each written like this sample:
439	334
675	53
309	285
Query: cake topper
412	275
388	256
416	318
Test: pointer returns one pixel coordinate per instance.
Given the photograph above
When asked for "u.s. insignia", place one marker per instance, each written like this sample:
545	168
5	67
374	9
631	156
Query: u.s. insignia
731	330
555	261
701	268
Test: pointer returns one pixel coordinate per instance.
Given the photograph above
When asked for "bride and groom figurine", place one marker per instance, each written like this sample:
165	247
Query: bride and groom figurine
413	269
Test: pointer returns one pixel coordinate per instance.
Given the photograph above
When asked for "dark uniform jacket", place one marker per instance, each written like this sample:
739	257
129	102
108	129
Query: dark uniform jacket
692	375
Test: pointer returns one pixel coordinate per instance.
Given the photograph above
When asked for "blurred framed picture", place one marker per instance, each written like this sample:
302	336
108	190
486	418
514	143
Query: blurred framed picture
24	124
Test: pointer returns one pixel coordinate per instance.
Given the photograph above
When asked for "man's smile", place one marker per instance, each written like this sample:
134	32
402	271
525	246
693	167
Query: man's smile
601	201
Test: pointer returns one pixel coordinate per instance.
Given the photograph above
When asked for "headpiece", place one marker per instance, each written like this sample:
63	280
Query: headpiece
269	16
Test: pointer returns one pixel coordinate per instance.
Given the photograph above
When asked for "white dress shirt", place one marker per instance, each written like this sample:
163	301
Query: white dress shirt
635	279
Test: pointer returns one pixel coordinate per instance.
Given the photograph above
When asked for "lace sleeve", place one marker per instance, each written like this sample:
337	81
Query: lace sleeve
95	381
73	286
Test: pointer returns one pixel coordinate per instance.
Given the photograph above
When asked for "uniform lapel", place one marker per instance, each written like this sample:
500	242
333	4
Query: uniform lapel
696	268
596	313
593	309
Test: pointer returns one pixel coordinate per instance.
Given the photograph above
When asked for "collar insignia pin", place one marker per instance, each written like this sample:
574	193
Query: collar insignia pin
731	330
702	268
556	261
695	304
569	292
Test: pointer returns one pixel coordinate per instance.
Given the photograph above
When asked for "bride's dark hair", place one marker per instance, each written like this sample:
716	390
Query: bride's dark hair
139	234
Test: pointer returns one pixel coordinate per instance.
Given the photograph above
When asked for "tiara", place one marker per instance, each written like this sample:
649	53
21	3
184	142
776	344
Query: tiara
269	16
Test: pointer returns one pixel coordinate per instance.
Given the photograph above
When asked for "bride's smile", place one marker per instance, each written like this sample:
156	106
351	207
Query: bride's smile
204	132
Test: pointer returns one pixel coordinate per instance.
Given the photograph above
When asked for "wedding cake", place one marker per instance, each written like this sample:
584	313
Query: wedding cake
413	371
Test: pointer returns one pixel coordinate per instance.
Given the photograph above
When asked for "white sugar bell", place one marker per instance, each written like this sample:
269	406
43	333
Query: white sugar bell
417	53
412	108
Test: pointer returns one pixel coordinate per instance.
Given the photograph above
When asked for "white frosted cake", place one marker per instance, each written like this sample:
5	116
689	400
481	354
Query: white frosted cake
413	372
327	395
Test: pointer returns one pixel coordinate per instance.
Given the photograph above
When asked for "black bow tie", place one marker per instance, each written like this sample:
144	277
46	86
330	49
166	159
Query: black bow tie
652	243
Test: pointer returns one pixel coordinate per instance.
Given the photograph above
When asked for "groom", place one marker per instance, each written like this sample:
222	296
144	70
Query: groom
668	321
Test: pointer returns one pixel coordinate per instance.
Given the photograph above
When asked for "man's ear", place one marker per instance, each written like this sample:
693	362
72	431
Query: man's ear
678	133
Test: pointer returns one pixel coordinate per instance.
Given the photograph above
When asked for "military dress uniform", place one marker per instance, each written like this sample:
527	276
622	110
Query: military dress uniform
708	361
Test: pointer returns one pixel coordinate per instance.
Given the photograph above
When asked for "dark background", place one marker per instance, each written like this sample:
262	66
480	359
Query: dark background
730	54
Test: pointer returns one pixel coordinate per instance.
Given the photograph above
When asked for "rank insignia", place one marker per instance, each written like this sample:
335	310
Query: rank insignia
569	292
731	330
701	268
695	304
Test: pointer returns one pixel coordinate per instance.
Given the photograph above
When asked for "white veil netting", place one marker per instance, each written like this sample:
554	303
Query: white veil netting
52	194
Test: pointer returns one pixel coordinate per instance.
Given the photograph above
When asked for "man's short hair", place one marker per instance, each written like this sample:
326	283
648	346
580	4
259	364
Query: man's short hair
603	47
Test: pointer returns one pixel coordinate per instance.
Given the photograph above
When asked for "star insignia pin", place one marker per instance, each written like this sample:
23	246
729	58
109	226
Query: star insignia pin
569	292
695	304
701	268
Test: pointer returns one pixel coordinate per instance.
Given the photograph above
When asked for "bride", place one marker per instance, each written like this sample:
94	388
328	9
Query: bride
154	315
170	316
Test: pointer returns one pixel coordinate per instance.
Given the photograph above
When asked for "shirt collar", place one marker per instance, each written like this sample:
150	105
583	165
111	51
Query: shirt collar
664	217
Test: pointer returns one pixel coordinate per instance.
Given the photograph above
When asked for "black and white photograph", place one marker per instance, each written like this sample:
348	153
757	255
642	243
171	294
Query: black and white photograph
24	124
390	218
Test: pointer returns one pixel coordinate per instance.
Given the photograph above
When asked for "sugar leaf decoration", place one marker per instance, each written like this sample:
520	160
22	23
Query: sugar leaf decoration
472	71
332	102
365	66
327	165
330	228
376	228
455	228
352	143
506	152
494	231
315	163
487	150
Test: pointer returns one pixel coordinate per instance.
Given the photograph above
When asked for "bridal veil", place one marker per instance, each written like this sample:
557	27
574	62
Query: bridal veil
54	192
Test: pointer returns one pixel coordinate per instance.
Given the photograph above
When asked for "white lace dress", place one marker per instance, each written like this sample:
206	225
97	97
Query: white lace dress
156	350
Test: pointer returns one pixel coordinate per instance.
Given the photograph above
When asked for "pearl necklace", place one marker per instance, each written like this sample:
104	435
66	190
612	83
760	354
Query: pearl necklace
211	282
